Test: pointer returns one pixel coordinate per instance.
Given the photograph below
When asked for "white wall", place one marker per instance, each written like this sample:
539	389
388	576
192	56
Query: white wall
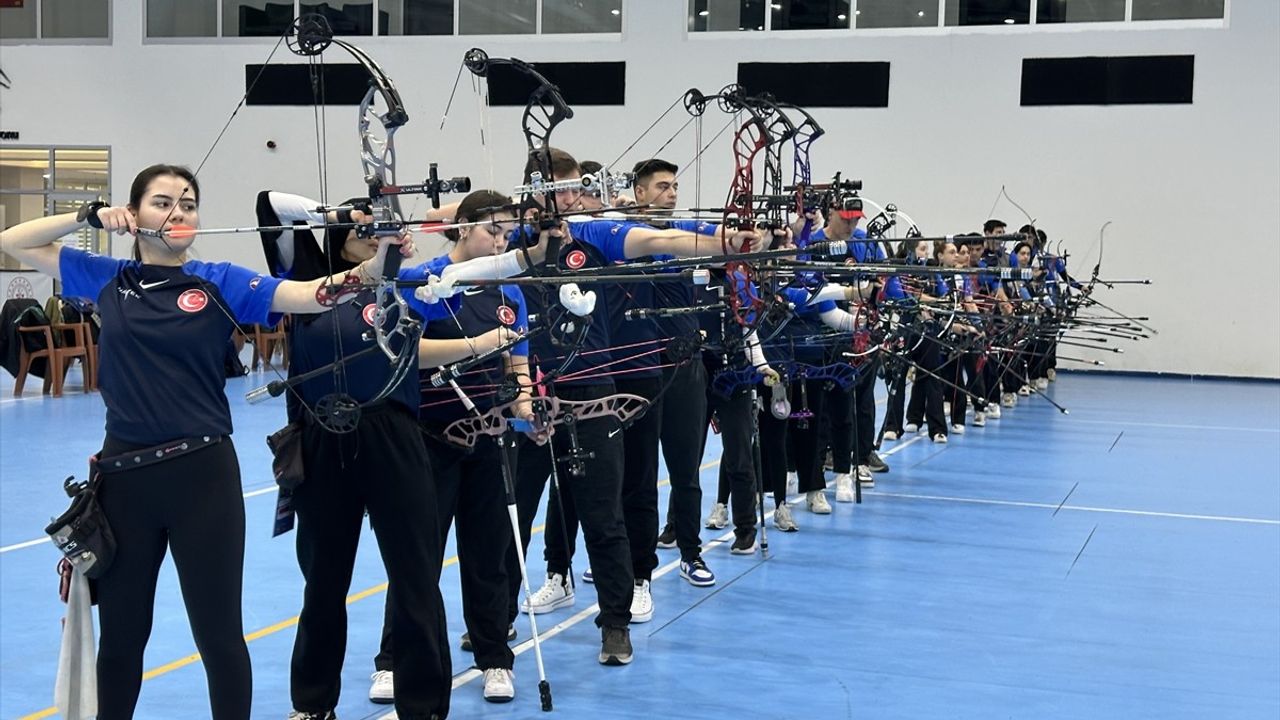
1191	190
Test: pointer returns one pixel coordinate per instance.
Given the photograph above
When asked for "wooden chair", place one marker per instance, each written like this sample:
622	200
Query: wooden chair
59	358
91	359
264	344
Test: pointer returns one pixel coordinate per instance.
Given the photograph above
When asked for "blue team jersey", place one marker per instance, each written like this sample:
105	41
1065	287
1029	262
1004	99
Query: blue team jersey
481	310
861	249
312	345
680	294
164	339
589	245
800	335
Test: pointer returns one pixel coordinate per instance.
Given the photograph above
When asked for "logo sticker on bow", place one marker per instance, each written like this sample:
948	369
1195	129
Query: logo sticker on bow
575	259
506	315
368	313
192	301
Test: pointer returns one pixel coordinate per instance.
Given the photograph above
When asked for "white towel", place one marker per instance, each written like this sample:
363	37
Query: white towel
75	693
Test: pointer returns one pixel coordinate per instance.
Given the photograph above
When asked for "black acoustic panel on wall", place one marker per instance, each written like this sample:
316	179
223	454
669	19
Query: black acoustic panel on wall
1136	80
342	84
819	84
580	83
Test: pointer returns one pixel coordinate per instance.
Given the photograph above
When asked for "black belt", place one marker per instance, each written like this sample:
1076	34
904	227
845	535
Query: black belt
152	455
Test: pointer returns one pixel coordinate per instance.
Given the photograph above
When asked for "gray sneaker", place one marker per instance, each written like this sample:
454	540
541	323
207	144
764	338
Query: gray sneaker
782	519
719	517
615	646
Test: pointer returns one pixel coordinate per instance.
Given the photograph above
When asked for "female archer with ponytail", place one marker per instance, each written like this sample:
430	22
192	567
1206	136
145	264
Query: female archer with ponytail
166	321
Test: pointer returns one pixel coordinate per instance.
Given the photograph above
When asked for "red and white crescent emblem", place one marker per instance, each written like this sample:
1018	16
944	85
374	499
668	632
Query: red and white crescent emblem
506	315
253	284
575	259
369	313
192	301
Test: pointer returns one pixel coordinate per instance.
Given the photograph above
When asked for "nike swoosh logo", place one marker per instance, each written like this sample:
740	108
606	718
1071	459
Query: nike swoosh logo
615	432
473	291
148	286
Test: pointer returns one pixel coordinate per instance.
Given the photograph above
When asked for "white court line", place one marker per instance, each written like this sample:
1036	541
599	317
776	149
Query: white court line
1179	427
43	540
543	635
1079	508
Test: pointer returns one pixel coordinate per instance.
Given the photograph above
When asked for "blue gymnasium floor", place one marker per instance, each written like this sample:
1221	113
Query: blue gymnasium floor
1123	561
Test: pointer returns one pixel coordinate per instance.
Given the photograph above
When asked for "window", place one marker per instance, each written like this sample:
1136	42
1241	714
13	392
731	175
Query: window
55	19
497	17
1178	9
988	12
182	18
421	17
40	181
581	16
896	13
255	18
1072	11
271	18
809	14
717	15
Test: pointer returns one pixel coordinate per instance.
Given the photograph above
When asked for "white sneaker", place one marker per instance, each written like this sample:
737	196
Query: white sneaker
866	478
1008	399
1025	391
554	594
890	435
782	519
940	438
1042	383
793	483
911	427
382	690
993	411
641	603
499	685
1051	375
844	488
817	502
588	577
719	517
957	429
979	419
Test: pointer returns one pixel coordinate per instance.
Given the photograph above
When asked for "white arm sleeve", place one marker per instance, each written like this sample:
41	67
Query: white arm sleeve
290	209
482	268
295	208
838	320
830	291
754	352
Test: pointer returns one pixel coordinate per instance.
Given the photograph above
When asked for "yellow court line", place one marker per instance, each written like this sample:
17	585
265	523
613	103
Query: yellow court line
283	624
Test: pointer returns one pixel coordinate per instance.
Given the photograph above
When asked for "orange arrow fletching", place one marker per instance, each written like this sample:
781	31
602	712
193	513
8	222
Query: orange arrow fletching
180	231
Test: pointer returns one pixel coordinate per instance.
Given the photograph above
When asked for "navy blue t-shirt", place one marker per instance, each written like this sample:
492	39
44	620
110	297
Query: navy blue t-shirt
800	334
312	345
681	294
589	245
481	310
164	339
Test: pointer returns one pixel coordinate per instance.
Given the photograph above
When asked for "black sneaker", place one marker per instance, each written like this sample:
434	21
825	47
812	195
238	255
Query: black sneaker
743	544
667	538
615	649
876	464
466	637
299	715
